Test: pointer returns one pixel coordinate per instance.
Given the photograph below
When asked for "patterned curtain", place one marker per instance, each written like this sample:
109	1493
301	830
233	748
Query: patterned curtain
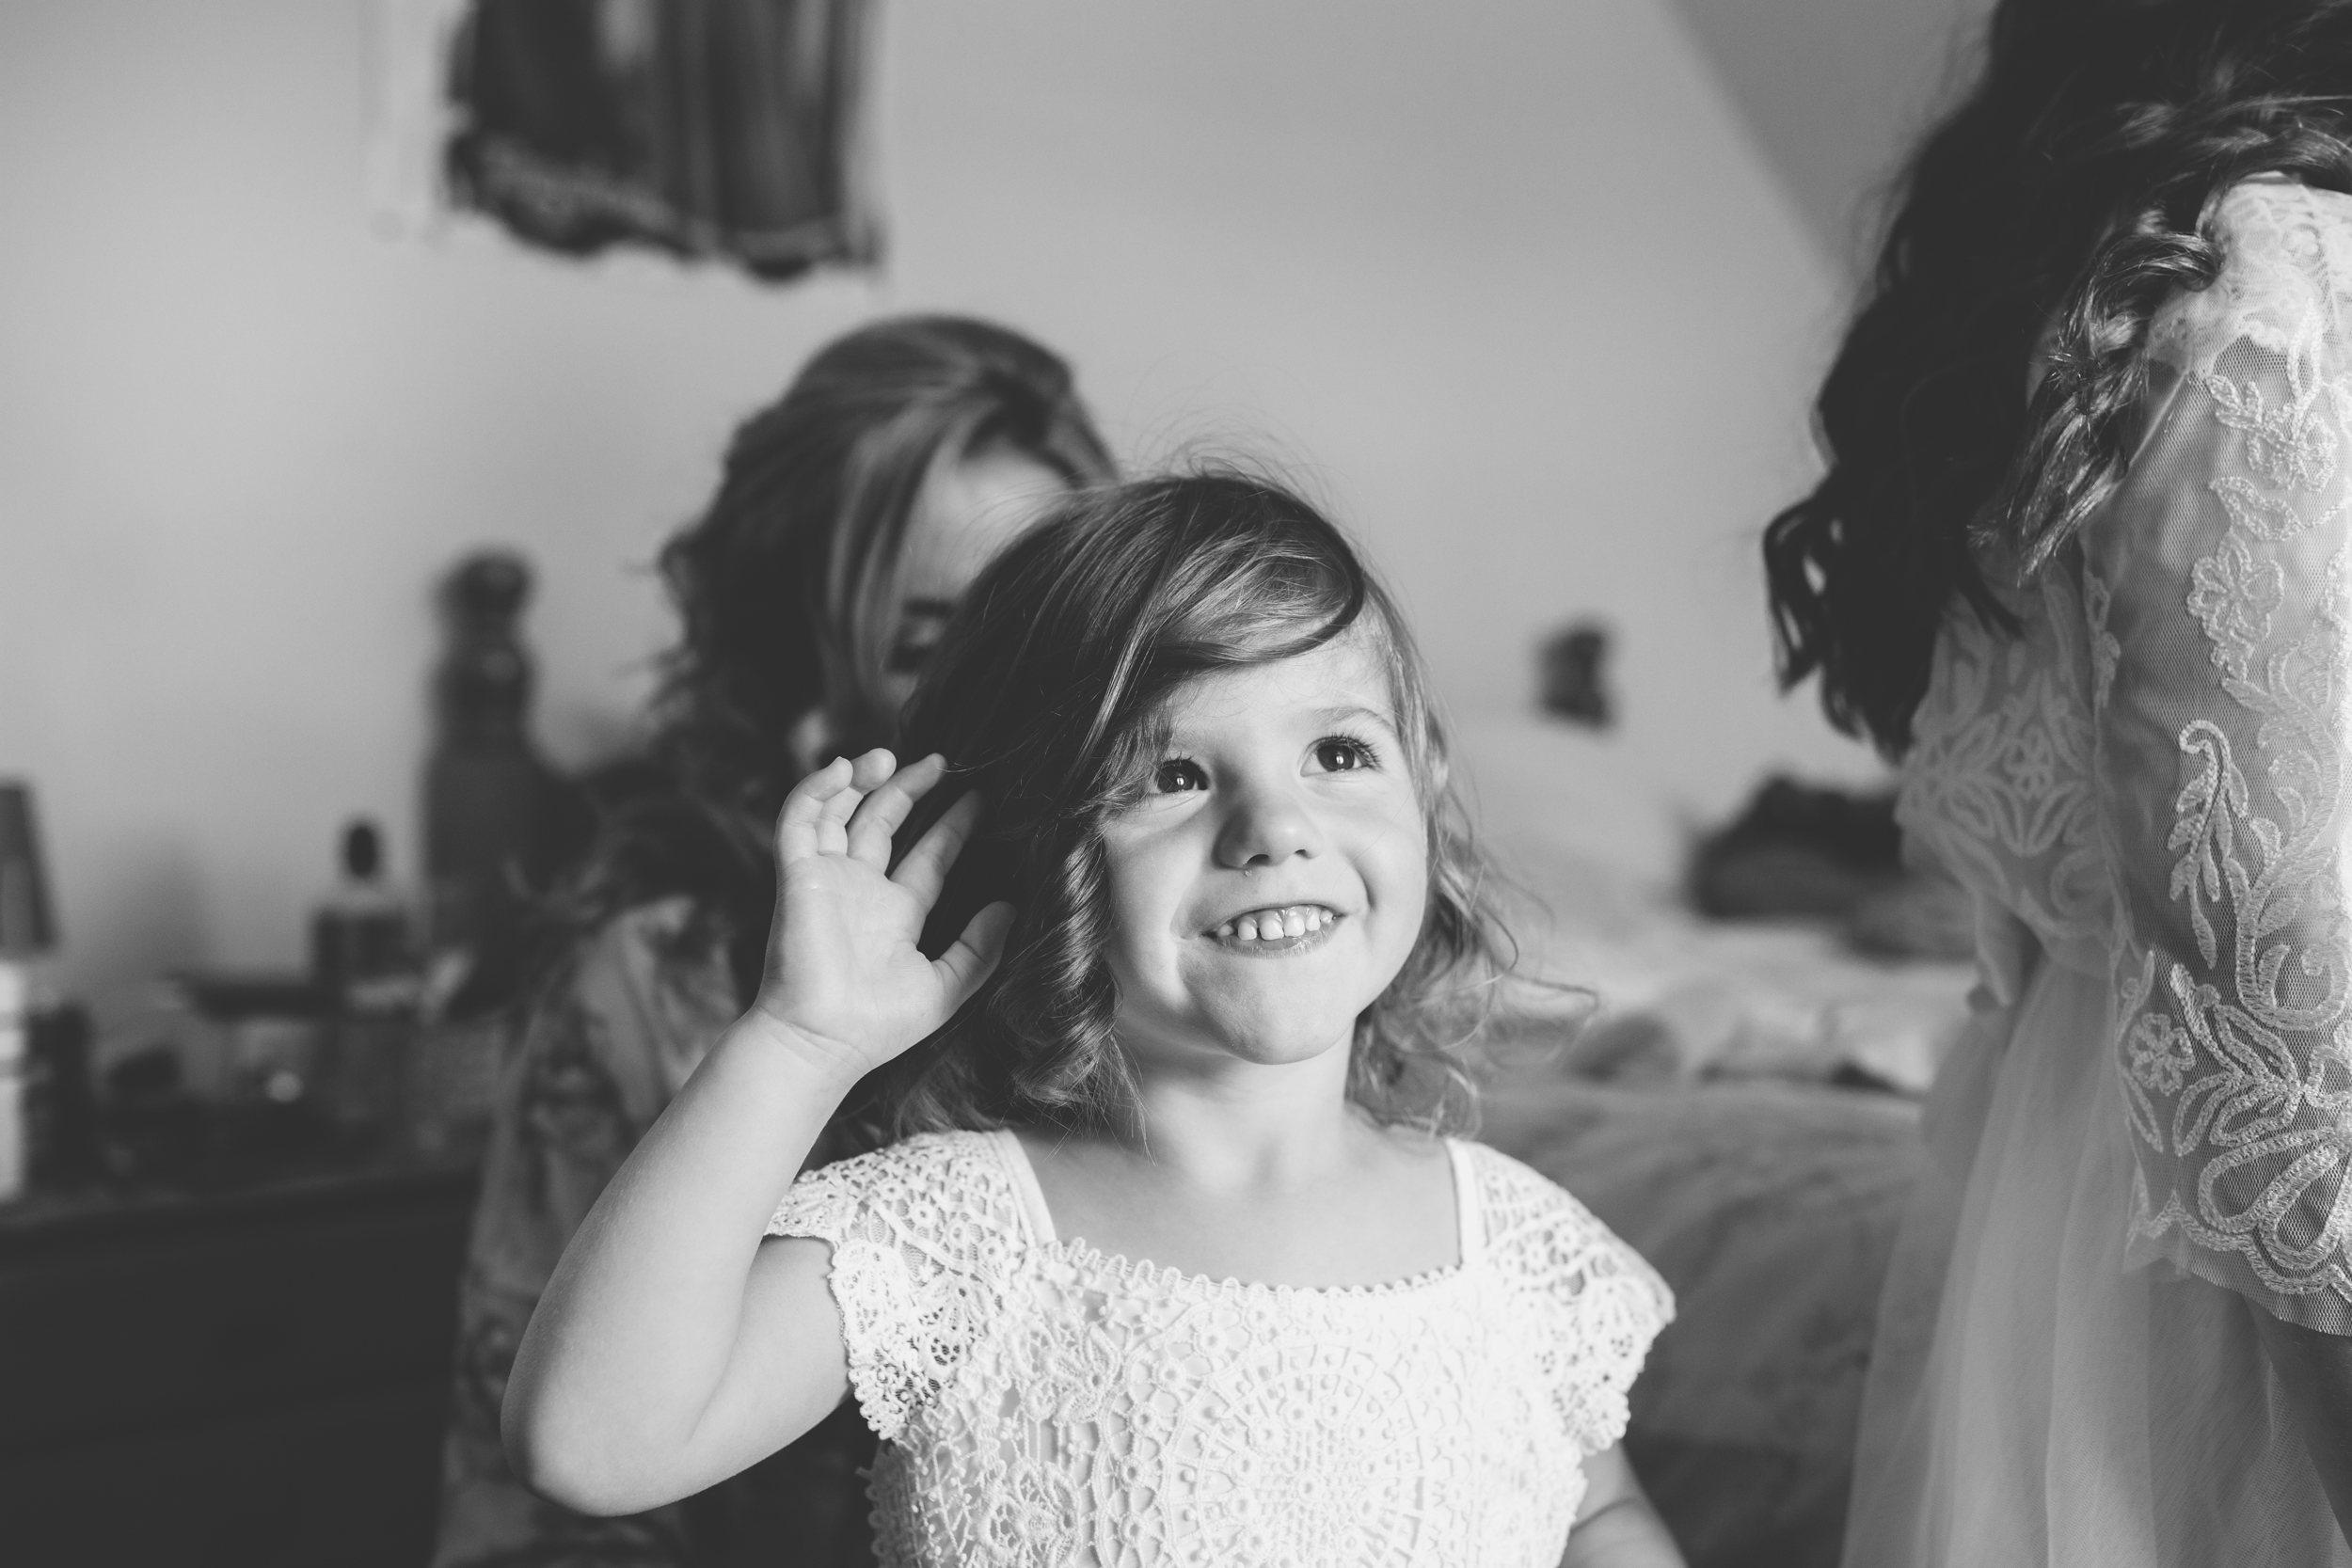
716	129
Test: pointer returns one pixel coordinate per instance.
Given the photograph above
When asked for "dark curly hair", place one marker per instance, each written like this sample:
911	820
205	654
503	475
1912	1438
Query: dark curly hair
787	586
2044	220
1046	693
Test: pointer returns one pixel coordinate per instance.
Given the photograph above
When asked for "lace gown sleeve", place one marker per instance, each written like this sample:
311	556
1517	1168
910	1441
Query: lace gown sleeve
2214	592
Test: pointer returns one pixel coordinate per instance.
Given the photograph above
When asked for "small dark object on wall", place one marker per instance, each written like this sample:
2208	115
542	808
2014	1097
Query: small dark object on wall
1575	685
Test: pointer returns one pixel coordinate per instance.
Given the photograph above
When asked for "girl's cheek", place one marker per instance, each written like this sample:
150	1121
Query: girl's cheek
1408	856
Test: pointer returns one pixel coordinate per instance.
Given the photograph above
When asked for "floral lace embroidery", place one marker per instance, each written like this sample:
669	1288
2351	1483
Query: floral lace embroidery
1997	783
1046	1405
2234	1060
2231	944
2292	447
2255	1070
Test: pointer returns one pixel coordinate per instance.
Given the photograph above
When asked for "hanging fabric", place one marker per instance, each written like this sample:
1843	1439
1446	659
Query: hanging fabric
709	129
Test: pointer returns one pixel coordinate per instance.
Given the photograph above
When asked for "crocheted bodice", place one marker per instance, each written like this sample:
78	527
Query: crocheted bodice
2150	776
1043	1403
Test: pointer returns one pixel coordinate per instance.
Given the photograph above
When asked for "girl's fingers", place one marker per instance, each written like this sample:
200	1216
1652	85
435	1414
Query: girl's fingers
962	968
805	808
866	773
884	812
925	867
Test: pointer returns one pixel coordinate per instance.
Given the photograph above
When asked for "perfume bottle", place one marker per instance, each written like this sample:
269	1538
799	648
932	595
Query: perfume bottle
363	960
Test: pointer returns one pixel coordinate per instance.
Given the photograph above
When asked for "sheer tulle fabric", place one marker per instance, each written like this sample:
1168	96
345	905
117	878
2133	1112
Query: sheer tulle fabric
2039	1403
2146	1136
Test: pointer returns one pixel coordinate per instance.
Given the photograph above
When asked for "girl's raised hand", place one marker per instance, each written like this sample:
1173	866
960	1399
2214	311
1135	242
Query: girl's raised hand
845	980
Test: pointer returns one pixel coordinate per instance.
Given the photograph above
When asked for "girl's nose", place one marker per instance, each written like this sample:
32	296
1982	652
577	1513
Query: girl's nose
1266	827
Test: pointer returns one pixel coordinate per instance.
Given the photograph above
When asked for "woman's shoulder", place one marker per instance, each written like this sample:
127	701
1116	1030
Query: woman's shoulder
2287	276
657	933
651	982
2275	215
1542	1235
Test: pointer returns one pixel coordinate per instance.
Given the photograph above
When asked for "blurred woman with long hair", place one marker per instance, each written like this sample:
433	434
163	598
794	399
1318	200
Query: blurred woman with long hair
851	514
2080	562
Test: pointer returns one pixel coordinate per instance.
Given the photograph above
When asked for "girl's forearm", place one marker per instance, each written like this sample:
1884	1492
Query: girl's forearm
1616	1527
1627	1533
640	1321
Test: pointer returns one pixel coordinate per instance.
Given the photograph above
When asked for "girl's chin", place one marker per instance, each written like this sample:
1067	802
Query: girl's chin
1258	1047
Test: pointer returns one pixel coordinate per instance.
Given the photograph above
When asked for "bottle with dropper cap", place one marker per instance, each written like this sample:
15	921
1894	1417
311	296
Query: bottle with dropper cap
363	959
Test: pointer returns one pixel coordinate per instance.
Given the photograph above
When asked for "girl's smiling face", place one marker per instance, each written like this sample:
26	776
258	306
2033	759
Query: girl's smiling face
1272	879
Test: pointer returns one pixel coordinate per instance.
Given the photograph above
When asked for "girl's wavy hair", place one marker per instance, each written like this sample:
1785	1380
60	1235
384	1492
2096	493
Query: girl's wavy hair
1046	693
787	586
2050	214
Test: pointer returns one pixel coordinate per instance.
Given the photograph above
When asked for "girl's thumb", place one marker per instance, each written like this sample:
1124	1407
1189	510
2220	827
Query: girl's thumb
964	966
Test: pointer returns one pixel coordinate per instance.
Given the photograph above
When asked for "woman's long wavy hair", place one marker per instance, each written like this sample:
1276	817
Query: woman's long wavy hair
2048	215
787	586
1047	693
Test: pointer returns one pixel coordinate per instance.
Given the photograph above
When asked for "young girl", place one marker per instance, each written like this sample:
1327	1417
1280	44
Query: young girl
1168	1266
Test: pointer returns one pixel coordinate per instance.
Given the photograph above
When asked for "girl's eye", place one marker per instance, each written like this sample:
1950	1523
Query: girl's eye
1340	754
1179	774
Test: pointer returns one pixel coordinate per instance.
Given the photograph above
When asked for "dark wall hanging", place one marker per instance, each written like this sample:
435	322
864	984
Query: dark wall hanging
709	129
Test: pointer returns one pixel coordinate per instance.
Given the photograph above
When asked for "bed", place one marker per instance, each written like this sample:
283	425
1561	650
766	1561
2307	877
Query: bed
1739	1101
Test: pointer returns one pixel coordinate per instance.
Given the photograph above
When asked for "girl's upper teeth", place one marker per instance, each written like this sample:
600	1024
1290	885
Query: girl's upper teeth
1293	920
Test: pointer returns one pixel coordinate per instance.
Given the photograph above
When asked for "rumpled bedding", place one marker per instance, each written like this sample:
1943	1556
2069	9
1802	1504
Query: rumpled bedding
1681	997
1692	1102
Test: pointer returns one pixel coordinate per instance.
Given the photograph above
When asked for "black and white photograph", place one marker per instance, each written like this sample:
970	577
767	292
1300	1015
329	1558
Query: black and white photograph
1227	783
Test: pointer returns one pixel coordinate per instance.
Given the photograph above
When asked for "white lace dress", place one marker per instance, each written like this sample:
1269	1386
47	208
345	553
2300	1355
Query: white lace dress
2146	1136
1044	1404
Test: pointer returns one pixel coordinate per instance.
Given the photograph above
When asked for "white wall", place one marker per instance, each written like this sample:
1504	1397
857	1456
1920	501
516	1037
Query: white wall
1834	91
1512	283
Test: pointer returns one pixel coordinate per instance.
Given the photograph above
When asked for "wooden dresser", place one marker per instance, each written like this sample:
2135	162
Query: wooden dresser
255	1377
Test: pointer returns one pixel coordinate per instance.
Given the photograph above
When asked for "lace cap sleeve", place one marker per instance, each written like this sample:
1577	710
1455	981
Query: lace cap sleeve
2215	588
1597	1303
922	1236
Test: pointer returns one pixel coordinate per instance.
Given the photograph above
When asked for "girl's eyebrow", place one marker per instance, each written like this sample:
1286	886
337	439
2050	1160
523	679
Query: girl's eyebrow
1352	710
929	608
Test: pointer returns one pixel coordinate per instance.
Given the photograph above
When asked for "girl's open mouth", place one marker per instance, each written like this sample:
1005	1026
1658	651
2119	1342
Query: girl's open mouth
1281	930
